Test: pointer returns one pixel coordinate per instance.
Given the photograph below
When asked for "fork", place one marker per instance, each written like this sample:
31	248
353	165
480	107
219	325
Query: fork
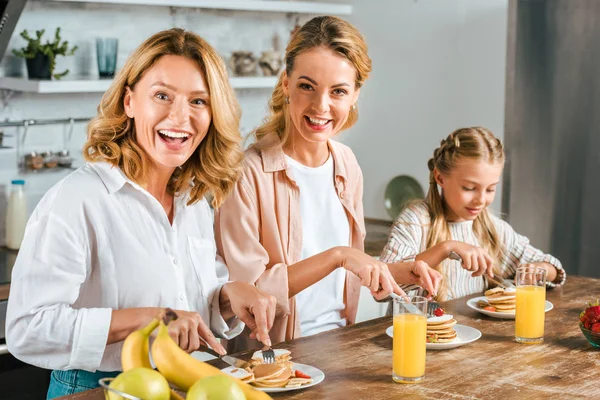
268	355
431	307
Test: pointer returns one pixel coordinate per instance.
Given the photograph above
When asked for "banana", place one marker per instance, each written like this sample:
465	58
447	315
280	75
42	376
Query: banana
135	347
182	369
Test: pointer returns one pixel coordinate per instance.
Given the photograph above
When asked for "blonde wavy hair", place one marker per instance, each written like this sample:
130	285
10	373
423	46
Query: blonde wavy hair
331	33
215	166
475	143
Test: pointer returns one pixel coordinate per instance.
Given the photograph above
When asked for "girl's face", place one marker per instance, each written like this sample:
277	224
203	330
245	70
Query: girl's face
469	188
170	106
321	89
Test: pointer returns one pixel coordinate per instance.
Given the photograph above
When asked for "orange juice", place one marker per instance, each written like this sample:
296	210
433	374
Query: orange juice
410	331
530	313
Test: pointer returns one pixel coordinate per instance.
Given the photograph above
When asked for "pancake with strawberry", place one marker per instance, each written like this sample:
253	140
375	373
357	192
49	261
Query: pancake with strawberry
440	327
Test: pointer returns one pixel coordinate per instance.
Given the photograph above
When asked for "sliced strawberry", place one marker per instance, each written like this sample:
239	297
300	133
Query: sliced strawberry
438	312
300	374
490	308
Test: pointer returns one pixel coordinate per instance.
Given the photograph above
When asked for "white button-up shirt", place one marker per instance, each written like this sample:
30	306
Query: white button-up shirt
99	242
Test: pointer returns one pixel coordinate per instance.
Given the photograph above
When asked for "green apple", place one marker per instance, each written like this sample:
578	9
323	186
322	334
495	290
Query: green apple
218	387
144	383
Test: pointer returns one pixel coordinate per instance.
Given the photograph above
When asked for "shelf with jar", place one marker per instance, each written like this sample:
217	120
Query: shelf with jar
32	160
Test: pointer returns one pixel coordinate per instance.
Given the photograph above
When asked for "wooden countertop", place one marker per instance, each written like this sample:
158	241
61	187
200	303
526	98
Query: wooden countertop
4	291
357	360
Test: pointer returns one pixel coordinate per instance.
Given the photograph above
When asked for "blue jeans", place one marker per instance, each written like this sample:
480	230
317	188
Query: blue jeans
63	383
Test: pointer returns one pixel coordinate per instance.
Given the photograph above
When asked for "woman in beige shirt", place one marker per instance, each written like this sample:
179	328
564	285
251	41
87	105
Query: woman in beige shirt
294	222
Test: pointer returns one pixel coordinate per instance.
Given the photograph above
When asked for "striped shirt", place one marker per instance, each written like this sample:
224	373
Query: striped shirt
408	236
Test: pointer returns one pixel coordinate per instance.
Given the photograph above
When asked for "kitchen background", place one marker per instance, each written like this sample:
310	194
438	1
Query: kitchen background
526	69
438	65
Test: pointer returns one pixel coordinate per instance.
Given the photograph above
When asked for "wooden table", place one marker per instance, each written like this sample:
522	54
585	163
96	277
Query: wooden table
357	360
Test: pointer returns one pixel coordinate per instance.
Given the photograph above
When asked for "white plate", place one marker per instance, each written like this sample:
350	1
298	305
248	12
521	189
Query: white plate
464	334
316	375
472	303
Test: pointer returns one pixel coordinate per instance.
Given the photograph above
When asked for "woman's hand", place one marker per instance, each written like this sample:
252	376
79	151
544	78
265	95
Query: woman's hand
189	331
474	258
373	274
416	273
253	307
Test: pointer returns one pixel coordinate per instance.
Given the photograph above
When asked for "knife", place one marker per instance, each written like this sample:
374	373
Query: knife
234	362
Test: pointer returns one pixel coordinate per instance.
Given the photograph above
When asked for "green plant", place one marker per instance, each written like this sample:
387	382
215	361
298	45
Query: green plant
50	49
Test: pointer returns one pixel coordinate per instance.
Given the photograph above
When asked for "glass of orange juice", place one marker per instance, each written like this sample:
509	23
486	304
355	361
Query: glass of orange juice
531	303
410	332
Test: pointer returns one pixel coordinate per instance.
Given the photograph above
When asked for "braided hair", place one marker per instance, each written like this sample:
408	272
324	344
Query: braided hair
475	143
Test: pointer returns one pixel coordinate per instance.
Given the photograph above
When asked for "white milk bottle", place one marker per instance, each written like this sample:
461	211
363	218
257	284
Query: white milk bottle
16	215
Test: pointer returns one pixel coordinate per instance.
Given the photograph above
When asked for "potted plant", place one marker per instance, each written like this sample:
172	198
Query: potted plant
41	58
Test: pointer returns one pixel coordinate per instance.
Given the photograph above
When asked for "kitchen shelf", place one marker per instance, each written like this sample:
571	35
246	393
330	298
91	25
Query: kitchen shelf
100	85
242	5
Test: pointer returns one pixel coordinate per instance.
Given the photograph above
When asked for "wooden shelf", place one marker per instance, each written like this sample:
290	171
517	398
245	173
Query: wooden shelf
304	7
100	85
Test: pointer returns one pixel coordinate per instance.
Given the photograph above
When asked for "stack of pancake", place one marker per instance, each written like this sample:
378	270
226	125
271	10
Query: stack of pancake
277	375
439	329
502	299
271	375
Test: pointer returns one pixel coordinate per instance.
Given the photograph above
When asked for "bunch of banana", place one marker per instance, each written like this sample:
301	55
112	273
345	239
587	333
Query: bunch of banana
182	369
135	347
135	351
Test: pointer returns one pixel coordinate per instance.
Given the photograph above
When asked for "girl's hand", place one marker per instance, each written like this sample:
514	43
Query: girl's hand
551	271
474	258
373	274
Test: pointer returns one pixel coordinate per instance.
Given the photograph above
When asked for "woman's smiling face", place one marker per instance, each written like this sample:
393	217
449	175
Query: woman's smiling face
322	90
170	106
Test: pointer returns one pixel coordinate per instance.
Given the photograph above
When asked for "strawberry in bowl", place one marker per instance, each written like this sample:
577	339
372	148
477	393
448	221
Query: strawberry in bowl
589	323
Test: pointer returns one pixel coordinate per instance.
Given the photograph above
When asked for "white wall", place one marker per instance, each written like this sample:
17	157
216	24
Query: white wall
437	65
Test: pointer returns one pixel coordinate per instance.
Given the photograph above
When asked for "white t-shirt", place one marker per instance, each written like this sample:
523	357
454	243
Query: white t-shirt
324	225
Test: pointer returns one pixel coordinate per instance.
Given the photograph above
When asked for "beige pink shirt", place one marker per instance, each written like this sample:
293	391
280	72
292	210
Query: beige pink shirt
258	230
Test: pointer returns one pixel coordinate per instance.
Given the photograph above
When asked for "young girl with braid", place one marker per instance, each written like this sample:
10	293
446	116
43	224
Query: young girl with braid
454	220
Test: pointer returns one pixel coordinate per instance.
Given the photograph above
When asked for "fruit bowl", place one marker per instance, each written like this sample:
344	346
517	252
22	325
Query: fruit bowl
592	337
110	393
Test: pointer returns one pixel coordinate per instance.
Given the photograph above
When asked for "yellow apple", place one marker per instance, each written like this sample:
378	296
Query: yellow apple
144	383
218	387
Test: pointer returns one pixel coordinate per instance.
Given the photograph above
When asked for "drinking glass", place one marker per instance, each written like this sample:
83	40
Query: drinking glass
106	54
410	332
531	303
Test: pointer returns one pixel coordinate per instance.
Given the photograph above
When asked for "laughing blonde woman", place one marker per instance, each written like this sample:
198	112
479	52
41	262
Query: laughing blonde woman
131	232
